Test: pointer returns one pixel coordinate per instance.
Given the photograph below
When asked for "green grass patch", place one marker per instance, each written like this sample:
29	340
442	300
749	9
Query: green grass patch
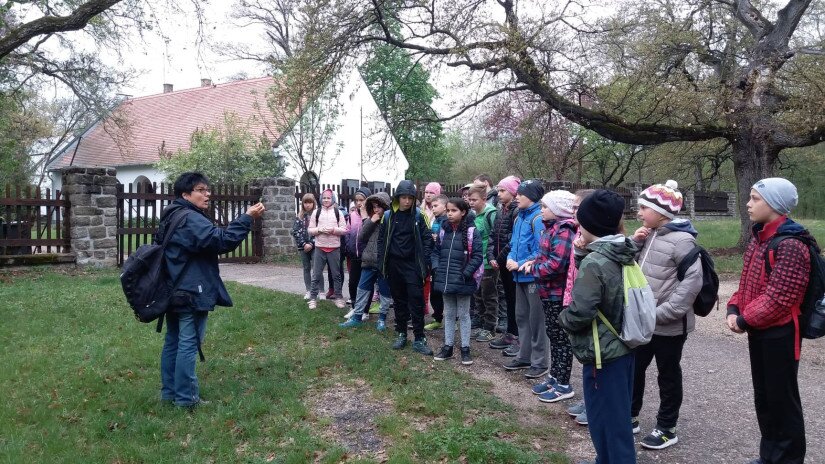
80	383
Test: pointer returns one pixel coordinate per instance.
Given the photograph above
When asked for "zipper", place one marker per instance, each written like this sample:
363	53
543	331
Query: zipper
650	245
449	253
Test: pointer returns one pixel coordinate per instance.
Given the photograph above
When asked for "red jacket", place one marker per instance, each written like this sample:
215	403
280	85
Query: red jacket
761	301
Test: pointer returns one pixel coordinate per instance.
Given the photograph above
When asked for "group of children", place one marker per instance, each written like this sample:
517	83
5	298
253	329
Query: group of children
551	265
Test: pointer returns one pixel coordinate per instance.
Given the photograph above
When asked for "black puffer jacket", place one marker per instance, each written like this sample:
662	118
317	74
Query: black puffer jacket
300	233
499	245
452	270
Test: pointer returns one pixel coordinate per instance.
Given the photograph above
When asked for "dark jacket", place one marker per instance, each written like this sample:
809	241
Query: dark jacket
502	231
599	287
300	233
367	236
452	269
422	237
192	255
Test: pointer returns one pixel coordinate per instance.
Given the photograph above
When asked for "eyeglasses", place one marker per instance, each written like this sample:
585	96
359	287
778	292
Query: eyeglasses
203	190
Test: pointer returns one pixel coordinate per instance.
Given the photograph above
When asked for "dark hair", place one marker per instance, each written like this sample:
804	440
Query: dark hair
442	199
187	181
464	224
486	179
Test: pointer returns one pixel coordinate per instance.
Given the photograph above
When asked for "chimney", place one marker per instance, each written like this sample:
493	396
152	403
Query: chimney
167	88
206	82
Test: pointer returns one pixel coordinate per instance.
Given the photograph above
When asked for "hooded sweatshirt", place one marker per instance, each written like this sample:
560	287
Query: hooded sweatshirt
659	259
367	238
405	234
484	227
599	287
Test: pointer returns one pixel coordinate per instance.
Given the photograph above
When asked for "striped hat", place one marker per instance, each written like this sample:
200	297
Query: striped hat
664	199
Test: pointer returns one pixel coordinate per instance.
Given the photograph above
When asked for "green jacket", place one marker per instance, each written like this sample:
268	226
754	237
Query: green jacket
598	286
484	225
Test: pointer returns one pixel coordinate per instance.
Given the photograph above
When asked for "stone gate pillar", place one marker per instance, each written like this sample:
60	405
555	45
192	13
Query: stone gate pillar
92	215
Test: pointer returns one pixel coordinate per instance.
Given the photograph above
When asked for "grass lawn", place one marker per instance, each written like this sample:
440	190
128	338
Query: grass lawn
80	384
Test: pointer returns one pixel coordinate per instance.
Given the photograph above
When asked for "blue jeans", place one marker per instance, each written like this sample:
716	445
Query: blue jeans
607	395
369	276
177	360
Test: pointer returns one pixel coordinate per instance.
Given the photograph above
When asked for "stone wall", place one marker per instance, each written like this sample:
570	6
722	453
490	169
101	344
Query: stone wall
93	214
279	199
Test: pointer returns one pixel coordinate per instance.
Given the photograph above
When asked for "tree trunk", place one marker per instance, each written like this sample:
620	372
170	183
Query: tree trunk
754	158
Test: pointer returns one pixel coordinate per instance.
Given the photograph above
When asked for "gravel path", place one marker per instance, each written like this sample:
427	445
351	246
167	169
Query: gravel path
718	422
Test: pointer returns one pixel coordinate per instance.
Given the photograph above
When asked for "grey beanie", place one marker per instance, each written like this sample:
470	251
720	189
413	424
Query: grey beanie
780	194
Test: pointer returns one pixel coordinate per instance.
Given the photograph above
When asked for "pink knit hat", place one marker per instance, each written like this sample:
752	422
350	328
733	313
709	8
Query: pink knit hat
510	183
434	187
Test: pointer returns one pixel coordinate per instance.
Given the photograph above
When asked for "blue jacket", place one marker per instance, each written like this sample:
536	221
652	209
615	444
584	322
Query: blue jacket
452	268
524	243
192	255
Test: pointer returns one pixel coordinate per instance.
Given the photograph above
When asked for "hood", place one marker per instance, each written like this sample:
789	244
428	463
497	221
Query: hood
405	187
681	225
791	227
381	198
617	248
488	208
177	204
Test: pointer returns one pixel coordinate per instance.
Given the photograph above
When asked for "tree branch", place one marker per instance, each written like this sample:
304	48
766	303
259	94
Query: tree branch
51	24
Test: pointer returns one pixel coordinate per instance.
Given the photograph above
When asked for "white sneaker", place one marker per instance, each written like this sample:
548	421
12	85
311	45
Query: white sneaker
340	303
365	317
307	295
349	314
312	304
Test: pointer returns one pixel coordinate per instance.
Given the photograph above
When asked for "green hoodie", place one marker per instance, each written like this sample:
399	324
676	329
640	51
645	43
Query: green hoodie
484	225
598	287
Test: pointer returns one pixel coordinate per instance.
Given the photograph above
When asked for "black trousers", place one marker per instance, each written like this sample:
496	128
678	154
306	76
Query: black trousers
354	278
668	354
407	290
437	303
509	285
776	394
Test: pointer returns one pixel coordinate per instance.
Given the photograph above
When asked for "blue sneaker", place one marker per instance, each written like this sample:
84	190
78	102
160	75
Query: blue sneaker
581	419
381	325
354	321
544	386
557	393
576	409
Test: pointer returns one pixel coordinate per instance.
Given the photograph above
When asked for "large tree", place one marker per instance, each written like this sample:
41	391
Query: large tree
641	73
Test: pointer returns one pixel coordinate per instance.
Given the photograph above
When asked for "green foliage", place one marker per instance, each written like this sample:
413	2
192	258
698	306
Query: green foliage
227	154
18	131
806	169
404	95
472	155
76	390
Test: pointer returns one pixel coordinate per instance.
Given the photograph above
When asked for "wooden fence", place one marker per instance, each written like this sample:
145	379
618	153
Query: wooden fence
140	206
33	221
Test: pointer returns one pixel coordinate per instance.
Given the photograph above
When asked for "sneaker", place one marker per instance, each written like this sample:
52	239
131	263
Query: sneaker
349	314
340	303
581	419
511	351
635	424
501	327
434	325
515	365
365	317
307	295
330	293
465	356
576	409
484	336
474	332
445	353
375	308
557	393
351	323
381	325
535	372
400	341
312	304
659	439
546	385
502	341
420	346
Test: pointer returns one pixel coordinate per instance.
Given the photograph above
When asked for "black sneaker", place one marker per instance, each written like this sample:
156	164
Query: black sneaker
635	424
420	346
515	365
445	353
400	341
659	439
465	356
536	372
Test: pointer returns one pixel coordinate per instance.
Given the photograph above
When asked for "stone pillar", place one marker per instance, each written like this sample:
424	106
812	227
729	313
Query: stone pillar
279	199
93	214
733	210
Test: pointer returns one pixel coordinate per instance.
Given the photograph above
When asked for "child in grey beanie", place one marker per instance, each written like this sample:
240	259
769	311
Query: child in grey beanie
780	194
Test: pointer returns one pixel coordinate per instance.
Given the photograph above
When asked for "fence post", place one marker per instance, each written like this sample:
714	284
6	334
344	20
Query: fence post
279	200
93	211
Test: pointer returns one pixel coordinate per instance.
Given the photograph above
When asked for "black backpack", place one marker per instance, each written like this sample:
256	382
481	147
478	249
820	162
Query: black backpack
708	295
812	320
144	278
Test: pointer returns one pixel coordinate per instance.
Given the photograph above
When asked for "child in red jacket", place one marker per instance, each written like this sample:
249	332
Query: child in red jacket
766	306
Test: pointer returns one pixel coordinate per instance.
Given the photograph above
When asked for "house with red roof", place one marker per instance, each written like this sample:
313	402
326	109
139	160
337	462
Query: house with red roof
138	130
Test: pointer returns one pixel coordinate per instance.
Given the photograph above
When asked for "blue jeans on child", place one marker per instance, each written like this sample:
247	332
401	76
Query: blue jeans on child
607	395
184	331
366	284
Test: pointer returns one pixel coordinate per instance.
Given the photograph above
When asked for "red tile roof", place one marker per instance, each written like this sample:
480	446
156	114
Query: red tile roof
169	119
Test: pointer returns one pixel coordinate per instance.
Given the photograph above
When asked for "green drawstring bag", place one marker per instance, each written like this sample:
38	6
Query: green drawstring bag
639	318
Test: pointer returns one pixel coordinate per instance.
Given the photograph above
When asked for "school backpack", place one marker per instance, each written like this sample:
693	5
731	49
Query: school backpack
478	273
812	319
708	295
144	278
639	314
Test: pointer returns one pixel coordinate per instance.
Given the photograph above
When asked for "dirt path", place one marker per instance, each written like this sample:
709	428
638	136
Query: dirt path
717	424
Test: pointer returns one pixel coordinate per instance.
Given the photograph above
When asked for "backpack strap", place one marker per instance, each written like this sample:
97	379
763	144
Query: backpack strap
176	221
773	245
687	262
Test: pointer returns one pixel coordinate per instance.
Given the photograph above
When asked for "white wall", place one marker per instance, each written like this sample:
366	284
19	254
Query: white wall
125	175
